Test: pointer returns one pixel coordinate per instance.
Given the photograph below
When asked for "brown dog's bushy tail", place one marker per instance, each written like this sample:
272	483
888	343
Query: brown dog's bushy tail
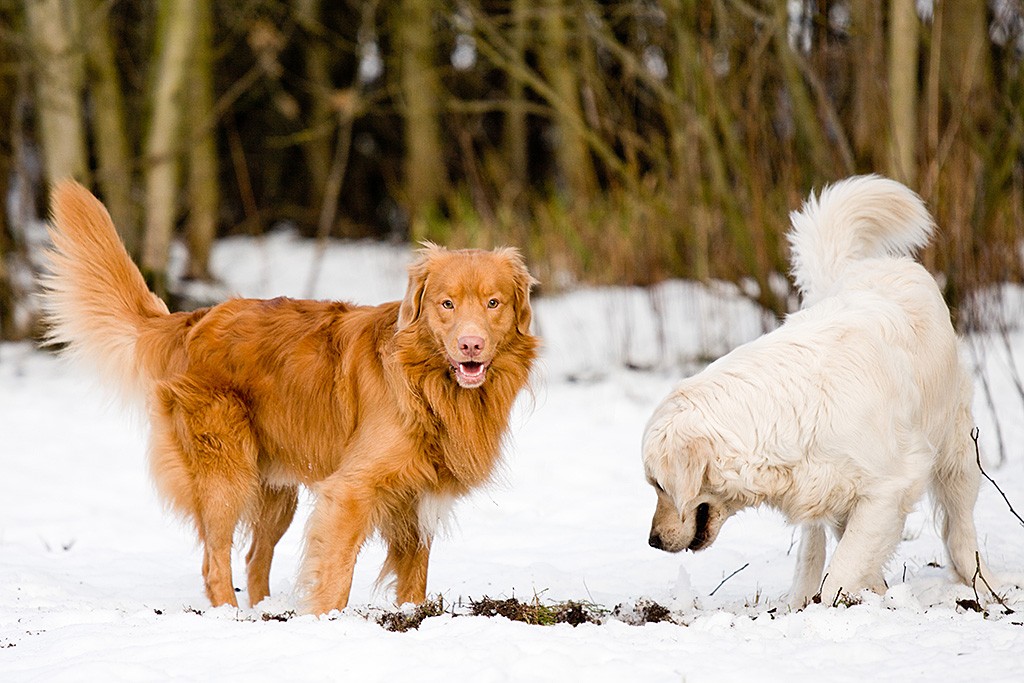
95	299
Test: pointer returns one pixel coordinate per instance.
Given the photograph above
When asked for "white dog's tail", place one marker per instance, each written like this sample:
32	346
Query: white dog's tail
857	218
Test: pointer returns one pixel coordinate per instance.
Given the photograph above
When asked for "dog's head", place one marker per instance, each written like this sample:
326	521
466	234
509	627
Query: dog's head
471	302
677	457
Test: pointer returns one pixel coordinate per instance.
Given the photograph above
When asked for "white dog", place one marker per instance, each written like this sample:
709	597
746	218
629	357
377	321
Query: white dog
841	417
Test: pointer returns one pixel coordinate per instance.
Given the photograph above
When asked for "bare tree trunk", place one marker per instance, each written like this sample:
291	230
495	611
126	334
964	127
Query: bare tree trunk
109	126
176	31
8	97
868	57
559	68
515	134
321	116
966	60
426	175
685	144
961	163
57	62
6	291
203	185
904	33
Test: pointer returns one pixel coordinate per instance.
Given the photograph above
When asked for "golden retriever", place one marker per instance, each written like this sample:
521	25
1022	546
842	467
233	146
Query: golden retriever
840	418
388	412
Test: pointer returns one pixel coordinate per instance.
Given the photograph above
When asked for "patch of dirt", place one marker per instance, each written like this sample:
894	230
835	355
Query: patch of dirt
283	616
571	612
643	611
402	621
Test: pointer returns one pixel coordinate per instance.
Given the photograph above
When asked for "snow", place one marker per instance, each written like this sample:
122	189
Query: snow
98	583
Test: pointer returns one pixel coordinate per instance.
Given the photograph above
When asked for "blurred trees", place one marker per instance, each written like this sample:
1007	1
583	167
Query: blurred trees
623	141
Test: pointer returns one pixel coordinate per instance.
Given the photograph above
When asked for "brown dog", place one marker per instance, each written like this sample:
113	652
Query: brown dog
388	412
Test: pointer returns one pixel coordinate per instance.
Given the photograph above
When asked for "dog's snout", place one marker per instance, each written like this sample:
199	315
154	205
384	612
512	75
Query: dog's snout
471	346
655	541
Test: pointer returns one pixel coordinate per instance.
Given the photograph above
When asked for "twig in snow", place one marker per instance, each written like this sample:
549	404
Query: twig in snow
727	578
977	455
792	541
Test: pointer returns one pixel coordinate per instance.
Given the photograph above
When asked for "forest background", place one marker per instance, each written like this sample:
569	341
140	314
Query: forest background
613	142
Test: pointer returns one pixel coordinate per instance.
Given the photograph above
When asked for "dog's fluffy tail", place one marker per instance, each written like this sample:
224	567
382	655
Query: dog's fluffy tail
858	218
95	299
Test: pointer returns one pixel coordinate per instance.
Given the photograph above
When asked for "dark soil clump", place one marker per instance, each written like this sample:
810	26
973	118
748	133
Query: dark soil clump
571	612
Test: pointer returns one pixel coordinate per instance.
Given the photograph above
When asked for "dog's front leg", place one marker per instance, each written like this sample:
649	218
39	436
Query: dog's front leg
408	553
411	572
872	532
341	521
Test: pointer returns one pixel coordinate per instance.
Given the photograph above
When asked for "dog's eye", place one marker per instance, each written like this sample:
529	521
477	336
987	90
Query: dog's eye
493	303
447	303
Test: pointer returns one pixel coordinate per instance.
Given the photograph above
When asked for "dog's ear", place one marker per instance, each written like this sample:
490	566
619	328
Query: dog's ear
523	283
412	304
686	467
679	459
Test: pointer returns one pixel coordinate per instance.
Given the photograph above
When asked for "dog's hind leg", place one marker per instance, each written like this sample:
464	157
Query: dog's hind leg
809	565
206	434
269	522
954	488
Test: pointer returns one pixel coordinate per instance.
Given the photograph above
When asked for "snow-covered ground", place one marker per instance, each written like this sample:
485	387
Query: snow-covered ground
97	583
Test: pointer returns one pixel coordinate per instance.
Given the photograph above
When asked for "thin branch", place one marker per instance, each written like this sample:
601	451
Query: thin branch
977	455
816	598
974	584
727	578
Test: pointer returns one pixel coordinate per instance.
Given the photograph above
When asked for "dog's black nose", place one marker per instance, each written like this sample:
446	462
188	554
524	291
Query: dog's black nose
655	541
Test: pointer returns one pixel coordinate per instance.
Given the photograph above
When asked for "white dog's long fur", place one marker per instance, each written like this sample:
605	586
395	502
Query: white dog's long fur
840	418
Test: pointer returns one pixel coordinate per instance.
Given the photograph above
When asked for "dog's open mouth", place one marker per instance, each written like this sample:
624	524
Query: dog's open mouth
470	373
700	533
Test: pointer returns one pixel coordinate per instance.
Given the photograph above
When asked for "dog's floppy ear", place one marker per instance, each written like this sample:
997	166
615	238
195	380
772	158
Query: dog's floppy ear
523	282
412	304
679	460
686	468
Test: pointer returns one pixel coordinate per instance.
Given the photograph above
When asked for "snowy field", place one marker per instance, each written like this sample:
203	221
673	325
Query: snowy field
98	584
